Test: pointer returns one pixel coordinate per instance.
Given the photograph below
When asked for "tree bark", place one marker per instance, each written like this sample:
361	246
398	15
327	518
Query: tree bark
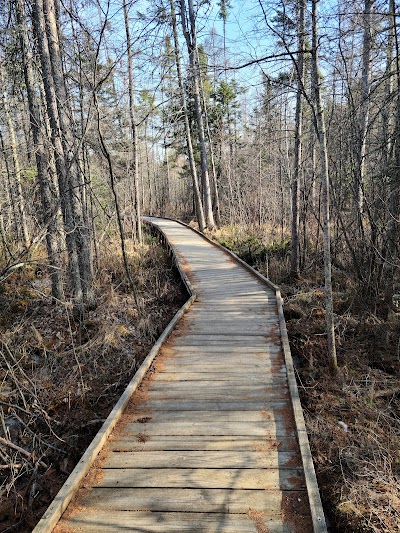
192	164
321	135
76	233
75	189
364	107
22	224
191	42
48	200
295	262
134	155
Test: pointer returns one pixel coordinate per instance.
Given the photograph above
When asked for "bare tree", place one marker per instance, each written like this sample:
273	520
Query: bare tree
48	195
320	130
192	163
134	157
191	42
76	230
22	223
295	264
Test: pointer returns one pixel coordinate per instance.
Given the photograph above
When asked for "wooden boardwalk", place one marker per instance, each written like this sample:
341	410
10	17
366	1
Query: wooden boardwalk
213	439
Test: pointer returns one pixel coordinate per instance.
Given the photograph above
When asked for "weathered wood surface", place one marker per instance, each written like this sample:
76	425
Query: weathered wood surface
209	442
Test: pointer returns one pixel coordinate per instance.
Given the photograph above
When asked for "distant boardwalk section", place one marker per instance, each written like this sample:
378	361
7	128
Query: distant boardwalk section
212	439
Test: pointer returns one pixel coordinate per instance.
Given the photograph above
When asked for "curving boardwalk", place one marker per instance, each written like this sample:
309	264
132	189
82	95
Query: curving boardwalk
212	441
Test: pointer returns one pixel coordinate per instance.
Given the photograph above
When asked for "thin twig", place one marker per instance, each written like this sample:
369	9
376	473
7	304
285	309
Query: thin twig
21	451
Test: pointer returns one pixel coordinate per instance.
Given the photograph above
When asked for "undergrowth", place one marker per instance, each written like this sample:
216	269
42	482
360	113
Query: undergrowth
60	378
352	418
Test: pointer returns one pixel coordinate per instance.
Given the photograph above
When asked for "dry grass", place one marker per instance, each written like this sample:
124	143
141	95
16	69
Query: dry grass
352	418
59	378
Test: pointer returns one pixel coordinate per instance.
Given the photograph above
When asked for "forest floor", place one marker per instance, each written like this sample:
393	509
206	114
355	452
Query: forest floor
353	417
60	378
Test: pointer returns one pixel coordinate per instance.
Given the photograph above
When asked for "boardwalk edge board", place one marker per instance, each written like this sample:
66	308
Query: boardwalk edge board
317	512
57	507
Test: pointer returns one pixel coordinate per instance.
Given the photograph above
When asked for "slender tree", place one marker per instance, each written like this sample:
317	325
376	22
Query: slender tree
22	222
48	195
192	163
320	130
295	263
191	42
133	130
76	230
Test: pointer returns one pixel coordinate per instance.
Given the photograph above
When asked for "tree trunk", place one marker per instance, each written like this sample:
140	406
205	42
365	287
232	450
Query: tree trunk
217	208
388	111
391	244
75	185
192	164
321	135
21	223
134	155
364	107
191	42
79	251
48	200
295	263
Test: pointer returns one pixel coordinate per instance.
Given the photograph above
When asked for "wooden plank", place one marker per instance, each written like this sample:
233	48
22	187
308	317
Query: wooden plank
185	364
213	375
226	328
158	522
189	427
233	360
251	327
186	500
216	396
247	359
218	308
218	387
243	443
220	354
213	385
265	417
230	315
204	478
266	348
314	498
211	362
213	405
200	459
220	340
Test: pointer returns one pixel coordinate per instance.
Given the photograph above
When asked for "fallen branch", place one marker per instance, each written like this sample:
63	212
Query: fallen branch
21	451
386	392
10	466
